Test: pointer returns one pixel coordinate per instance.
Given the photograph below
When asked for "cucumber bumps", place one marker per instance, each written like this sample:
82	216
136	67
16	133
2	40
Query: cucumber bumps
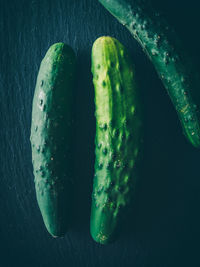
167	54
51	137
118	136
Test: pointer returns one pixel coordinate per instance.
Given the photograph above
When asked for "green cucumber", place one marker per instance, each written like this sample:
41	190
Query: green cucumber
168	55
118	137
51	137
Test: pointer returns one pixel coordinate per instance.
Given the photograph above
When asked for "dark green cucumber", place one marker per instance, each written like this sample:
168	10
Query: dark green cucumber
168	55
51	137
118	136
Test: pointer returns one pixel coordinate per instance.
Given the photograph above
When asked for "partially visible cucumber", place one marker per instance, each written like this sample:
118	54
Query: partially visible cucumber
118	136
167	54
51	137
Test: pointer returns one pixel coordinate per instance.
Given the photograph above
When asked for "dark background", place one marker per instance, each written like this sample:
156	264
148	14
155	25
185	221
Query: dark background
163	228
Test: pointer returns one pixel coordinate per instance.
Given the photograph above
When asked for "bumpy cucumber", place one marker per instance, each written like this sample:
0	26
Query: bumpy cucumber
118	136
51	137
165	50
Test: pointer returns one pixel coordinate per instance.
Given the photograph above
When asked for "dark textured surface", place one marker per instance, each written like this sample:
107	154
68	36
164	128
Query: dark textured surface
164	227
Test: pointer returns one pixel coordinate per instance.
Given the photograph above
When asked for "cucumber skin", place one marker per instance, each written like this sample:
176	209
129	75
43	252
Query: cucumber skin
118	137
168	56
51	137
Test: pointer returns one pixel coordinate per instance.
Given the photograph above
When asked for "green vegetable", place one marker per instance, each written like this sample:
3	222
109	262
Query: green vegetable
51	137
166	53
118	136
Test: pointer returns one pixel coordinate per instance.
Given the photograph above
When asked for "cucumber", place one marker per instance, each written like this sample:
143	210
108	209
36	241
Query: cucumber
168	55
118	137
51	137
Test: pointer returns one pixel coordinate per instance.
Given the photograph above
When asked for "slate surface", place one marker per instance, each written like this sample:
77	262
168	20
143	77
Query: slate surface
163	229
